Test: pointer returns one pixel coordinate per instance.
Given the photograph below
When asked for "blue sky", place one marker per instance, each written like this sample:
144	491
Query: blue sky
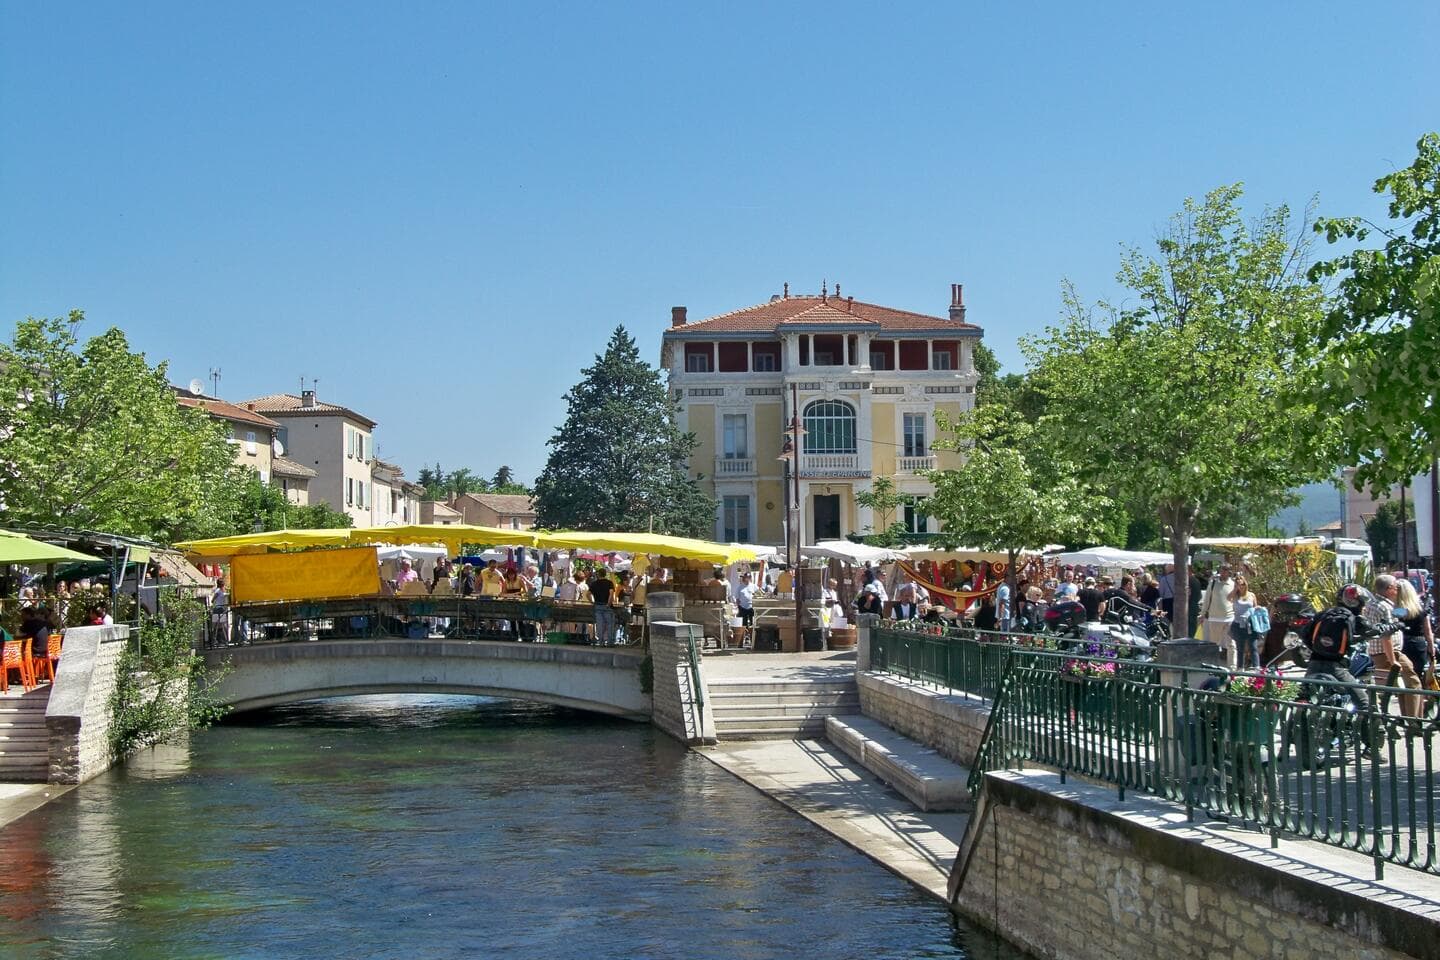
441	210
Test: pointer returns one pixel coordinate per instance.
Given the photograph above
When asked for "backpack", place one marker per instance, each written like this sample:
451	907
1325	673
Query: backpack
1260	621
1331	633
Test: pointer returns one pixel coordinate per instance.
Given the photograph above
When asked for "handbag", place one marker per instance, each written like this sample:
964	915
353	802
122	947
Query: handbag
1260	621
1431	681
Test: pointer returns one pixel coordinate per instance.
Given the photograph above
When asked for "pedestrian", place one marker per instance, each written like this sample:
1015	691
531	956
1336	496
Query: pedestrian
1003	609
1242	634
1392	667
745	603
601	590
1219	613
467	580
1166	590
1419	636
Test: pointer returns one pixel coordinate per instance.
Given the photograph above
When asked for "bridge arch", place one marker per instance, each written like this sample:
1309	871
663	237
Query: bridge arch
271	674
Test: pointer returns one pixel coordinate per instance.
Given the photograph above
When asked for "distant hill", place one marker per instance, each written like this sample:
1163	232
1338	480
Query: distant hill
1319	504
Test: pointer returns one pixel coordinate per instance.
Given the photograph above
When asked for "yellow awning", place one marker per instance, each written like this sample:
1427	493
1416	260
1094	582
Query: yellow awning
452	535
654	543
219	548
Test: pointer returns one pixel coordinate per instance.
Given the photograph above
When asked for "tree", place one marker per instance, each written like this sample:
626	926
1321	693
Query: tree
1189	400
503	478
884	501
619	462
94	438
1383	335
433	480
1012	492
1382	531
267	505
463	481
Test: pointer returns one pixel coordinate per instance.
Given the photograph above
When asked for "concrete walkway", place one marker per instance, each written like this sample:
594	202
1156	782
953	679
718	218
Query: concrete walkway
833	665
18	799
823	786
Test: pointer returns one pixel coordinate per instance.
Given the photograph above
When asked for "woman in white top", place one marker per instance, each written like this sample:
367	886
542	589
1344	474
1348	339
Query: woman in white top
1244	641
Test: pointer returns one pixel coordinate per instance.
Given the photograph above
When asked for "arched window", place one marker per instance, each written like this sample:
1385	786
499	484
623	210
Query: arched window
829	427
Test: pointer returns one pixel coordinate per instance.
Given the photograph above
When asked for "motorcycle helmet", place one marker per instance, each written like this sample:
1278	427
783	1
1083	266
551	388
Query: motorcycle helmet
1354	596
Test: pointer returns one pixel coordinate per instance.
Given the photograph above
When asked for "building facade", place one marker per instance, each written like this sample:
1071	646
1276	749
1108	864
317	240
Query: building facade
395	500
511	511
334	441
251	434
866	381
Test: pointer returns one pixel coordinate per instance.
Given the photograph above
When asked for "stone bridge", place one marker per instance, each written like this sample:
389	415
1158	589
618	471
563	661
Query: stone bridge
600	679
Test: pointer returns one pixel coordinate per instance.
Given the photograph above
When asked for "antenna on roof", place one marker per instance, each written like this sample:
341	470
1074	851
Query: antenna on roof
215	381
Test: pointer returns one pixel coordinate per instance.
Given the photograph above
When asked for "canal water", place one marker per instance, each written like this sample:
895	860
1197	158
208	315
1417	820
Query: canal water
444	827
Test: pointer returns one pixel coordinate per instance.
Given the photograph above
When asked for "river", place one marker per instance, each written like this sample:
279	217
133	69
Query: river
444	827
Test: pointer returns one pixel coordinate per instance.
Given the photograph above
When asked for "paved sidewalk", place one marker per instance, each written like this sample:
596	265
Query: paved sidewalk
18	799
831	665
823	786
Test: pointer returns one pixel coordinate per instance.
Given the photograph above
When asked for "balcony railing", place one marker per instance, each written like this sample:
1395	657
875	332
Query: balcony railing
734	466
830	465
914	464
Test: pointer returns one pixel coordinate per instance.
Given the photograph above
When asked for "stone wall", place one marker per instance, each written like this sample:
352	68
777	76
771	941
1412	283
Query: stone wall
675	707
1064	874
78	714
953	726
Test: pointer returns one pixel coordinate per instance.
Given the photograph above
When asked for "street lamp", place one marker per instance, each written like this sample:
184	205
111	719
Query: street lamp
790	453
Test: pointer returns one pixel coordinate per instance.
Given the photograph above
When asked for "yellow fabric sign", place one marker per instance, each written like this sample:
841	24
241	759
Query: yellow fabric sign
312	575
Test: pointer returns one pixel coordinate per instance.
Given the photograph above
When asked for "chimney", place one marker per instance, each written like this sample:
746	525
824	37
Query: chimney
307	398
957	302
786	294
677	316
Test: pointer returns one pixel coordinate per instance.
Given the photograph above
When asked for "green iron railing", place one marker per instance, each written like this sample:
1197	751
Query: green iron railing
1362	780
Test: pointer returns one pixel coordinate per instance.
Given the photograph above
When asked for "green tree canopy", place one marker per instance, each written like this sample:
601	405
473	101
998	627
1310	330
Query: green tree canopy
619	461
1015	489
267	505
1185	402
1383	335
94	439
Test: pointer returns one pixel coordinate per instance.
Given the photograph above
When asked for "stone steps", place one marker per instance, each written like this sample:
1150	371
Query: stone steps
917	773
779	709
24	738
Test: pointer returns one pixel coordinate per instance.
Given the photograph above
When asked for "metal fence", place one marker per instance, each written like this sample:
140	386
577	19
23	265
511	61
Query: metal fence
1364	780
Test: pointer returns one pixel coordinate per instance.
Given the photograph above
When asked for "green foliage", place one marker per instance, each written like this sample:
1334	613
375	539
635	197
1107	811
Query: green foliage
619	462
162	689
1382	531
1188	402
1017	489
1383	336
884	501
440	485
96	440
267	504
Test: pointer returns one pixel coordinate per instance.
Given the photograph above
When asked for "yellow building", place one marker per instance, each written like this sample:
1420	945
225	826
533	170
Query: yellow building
867	380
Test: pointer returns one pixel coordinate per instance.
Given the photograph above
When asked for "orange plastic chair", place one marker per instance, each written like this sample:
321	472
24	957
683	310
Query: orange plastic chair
45	663
17	657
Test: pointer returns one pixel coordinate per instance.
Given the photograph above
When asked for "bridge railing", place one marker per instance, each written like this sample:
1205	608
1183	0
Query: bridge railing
416	618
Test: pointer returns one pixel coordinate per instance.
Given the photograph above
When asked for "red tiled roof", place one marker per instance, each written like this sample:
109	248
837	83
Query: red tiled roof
288	403
506	503
222	410
767	317
285	467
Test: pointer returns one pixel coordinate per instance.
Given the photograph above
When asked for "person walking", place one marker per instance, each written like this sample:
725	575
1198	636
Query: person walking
1219	613
1386	649
1243	637
1166	587
1419	636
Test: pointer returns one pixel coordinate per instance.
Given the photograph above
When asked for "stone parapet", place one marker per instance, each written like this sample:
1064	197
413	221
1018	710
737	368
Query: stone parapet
1135	879
678	706
953	726
77	717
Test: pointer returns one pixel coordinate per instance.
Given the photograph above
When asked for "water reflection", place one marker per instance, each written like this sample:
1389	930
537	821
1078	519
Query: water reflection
444	827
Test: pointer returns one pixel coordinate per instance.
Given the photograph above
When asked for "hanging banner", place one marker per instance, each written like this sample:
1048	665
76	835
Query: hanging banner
1420	489
311	575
